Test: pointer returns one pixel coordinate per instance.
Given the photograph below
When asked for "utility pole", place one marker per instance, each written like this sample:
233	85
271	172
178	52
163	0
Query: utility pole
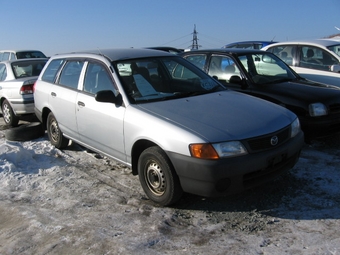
195	45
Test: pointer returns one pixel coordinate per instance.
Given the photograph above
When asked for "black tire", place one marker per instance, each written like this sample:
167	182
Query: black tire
158	177
9	117
25	132
55	135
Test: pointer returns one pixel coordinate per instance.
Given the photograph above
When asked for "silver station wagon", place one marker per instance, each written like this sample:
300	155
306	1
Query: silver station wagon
176	127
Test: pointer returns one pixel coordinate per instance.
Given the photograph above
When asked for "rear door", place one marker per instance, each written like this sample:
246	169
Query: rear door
63	95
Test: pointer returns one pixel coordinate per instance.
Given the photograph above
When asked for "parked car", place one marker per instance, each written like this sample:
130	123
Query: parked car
264	75
248	44
16	88
20	54
174	125
317	60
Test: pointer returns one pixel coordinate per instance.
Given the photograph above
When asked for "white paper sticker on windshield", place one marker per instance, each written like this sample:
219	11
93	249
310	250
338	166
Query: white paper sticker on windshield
144	87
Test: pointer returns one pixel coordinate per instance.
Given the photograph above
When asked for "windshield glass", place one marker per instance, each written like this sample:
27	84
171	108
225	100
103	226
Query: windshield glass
30	54
335	49
27	68
264	68
161	78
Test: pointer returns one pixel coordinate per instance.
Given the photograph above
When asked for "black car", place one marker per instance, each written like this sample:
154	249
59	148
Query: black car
264	75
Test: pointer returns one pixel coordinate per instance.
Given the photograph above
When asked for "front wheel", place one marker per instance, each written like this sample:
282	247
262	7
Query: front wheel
158	178
54	133
9	117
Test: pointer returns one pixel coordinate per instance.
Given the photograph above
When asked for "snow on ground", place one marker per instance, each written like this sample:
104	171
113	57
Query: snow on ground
77	202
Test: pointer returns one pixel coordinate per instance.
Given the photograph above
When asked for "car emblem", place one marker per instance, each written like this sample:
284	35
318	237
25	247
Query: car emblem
274	140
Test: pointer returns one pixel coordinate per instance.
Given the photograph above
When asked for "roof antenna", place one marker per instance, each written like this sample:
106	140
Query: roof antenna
100	51
273	38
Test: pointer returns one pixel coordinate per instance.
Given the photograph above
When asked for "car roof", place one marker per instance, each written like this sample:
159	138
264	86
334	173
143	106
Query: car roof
165	48
318	42
117	54
18	50
245	42
223	50
23	60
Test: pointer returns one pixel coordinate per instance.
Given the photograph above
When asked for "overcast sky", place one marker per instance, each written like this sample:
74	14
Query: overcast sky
58	26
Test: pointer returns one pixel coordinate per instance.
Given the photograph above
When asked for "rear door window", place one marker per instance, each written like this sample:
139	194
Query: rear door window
52	70
70	74
285	52
198	60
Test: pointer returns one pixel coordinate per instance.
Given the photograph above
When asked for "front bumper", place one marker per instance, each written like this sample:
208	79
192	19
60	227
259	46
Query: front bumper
211	178
320	126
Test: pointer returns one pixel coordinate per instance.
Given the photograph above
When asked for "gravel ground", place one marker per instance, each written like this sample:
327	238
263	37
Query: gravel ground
76	202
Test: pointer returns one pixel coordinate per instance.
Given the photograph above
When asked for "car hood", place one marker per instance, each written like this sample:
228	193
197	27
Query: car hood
222	116
306	91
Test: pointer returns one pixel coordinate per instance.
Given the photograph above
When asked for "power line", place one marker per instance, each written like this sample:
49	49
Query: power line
176	39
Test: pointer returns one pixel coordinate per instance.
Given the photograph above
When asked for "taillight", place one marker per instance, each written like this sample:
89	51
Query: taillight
26	89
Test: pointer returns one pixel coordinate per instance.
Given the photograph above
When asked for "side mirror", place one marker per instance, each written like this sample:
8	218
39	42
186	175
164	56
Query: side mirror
335	68
235	79
107	96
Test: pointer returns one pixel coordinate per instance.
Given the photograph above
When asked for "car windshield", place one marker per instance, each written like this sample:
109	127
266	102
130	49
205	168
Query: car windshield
266	68
30	54
27	68
162	78
335	49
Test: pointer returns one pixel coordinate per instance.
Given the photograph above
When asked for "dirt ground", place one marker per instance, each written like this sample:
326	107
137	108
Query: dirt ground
76	202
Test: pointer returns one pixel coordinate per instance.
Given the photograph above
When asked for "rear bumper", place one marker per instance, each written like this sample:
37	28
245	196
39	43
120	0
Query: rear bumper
211	178
22	106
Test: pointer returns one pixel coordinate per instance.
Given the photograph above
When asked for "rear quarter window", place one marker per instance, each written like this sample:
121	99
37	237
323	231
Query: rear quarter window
3	72
52	70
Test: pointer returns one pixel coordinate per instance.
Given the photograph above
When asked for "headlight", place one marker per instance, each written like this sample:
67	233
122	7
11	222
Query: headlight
217	150
295	127
230	149
317	109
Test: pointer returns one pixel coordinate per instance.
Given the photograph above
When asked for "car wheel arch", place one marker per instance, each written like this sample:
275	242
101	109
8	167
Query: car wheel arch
45	112
137	149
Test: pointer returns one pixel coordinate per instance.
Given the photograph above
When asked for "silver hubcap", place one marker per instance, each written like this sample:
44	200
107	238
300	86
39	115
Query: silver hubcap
6	113
54	131
155	179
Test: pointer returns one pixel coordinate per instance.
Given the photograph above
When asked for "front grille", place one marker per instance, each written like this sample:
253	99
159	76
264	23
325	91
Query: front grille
334	108
264	142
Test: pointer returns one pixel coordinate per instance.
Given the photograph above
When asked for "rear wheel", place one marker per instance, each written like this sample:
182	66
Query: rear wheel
9	117
54	133
158	178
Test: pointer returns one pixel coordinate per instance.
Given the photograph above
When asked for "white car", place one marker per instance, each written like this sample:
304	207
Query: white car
20	54
316	60
17	78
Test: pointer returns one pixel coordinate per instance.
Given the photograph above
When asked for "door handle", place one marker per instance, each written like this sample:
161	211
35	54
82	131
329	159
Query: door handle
53	94
81	104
